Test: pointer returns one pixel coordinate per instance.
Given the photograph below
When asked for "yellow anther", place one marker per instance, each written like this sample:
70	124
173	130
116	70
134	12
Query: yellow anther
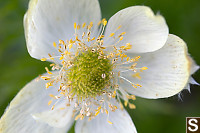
117	54
66	52
97	112
61	57
131	106
106	111
125	103
78	116
52	65
112	55
105	22
49	55
61	108
62	93
121	38
99	108
60	51
112	34
43	59
138	57
52	107
110	122
101	36
115	48
77	38
45	78
132	97
90	25
103	47
84	24
61	42
49	103
70	45
78	27
71	41
127	59
119	27
49	72
82	116
133	66
46	68
48	84
52	58
54	44
92	39
123	55
135	59
128	46
74	25
114	94
51	95
122	47
89	119
138	85
144	68
134	86
123	33
136	75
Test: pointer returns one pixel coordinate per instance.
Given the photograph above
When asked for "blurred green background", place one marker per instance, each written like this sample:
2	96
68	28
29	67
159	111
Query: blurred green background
151	116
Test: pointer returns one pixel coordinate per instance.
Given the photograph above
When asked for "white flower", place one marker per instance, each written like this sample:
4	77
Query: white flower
96	64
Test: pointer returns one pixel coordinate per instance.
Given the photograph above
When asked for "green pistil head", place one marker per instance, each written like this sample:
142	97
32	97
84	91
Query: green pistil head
89	74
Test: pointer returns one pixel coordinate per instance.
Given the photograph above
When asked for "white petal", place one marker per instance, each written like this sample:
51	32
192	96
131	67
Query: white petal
193	66
187	87
33	98
145	31
167	73
121	123
48	21
192	81
59	117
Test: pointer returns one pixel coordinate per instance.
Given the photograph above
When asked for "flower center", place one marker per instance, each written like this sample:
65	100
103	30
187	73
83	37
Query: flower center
89	74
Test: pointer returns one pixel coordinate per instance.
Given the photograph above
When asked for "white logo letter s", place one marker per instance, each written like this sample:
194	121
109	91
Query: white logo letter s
193	124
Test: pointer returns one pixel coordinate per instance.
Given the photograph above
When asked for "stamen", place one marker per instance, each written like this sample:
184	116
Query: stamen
43	59
112	34
46	68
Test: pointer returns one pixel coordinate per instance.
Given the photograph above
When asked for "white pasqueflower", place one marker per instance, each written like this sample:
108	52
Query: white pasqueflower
95	65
